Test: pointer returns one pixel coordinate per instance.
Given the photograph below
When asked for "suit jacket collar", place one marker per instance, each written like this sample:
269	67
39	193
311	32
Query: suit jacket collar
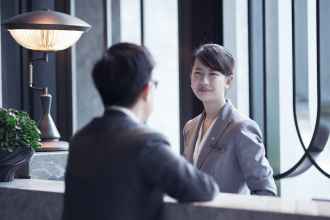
124	110
218	129
192	138
113	112
114	115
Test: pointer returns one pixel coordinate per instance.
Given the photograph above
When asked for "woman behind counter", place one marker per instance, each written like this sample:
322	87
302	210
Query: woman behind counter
221	141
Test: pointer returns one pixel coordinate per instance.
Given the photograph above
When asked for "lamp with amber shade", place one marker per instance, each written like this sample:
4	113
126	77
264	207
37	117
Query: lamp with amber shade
46	31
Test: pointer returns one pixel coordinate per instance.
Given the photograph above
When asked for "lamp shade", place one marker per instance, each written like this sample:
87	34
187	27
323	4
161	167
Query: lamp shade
46	30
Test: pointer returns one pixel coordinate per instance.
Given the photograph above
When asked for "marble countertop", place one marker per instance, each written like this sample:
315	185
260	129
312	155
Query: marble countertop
35	185
270	204
223	200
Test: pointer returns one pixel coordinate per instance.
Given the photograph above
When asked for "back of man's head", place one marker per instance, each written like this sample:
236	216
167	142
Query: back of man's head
121	74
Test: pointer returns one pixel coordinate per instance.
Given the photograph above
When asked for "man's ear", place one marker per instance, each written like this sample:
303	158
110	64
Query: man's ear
145	92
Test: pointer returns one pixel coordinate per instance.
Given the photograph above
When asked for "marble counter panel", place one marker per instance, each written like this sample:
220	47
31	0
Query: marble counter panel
42	199
45	166
48	165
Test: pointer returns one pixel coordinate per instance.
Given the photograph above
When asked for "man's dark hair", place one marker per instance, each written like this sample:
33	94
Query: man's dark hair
121	74
216	57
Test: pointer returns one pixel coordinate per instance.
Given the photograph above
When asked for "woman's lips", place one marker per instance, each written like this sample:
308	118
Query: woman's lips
204	90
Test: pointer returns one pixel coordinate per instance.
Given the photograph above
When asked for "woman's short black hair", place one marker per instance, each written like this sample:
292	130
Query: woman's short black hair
216	57
122	72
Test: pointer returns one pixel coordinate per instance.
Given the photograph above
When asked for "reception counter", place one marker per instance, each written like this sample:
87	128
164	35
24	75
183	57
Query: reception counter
29	199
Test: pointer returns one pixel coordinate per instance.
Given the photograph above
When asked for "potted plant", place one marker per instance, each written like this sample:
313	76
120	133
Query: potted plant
19	137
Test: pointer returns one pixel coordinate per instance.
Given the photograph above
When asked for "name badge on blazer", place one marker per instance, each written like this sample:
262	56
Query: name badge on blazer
218	147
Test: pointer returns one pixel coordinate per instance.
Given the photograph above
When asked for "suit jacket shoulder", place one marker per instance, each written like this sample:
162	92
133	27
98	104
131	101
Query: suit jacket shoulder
191	124
189	136
239	121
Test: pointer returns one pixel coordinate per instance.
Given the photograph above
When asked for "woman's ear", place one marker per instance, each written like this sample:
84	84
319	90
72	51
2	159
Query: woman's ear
228	81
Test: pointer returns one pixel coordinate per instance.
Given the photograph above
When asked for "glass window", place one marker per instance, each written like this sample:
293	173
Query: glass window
161	37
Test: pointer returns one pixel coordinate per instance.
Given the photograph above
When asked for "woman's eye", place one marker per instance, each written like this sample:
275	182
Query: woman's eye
197	73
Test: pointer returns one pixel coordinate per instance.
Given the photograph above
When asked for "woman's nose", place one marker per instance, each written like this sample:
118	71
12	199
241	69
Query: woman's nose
205	79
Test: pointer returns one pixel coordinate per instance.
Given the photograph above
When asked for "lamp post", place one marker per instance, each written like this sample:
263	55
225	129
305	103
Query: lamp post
46	31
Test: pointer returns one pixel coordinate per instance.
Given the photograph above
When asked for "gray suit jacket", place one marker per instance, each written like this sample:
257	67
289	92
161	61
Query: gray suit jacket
233	153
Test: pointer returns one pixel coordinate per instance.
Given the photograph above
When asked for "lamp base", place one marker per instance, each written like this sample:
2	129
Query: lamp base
51	146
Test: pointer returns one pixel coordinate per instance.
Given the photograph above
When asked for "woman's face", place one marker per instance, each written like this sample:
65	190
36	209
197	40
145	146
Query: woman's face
208	84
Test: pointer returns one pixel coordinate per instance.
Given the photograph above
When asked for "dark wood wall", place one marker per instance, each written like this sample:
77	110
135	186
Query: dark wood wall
199	22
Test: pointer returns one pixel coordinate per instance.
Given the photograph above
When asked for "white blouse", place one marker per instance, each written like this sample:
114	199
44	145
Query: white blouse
201	140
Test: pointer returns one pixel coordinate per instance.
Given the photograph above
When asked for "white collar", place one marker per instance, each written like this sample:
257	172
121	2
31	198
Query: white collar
126	111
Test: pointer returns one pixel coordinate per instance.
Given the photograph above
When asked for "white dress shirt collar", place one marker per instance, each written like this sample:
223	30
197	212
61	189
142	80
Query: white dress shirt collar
201	140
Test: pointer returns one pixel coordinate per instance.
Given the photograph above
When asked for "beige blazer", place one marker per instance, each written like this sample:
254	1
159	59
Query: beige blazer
233	153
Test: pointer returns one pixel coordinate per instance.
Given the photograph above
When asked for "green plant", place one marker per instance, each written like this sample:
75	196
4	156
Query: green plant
17	129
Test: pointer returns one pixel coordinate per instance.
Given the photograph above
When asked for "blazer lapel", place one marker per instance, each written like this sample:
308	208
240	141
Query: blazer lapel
192	138
216	133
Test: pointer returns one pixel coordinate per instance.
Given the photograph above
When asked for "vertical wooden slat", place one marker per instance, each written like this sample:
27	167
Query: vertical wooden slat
199	22
65	81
